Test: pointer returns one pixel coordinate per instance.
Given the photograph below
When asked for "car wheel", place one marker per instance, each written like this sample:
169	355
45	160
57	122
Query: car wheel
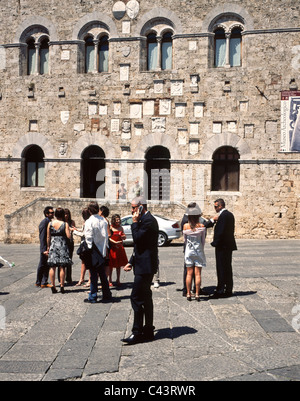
162	239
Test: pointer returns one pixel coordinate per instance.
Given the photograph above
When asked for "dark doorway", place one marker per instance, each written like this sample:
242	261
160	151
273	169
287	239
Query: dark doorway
226	169
158	168
93	173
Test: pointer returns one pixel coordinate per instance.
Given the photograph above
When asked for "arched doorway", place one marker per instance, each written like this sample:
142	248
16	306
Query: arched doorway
158	168
93	172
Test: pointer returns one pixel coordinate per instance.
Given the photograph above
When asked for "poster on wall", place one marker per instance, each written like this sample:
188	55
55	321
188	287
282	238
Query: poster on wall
290	121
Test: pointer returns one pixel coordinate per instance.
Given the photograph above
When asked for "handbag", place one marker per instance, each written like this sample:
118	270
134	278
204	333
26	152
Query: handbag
83	251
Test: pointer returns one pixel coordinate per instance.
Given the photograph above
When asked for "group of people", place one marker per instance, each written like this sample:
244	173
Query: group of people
194	230
56	234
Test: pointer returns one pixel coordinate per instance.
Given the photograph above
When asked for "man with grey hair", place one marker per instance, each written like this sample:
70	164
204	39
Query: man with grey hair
144	262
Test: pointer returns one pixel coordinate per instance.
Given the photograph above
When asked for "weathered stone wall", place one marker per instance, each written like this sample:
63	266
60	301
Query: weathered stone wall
192	110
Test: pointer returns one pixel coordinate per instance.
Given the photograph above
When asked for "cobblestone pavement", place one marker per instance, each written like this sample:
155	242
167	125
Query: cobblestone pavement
252	336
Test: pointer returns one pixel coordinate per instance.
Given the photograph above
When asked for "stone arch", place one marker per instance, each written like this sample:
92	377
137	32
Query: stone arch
33	138
152	140
34	22
96	17
94	139
219	140
158	14
232	9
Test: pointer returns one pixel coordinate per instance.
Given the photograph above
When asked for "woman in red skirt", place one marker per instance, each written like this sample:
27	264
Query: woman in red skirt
117	255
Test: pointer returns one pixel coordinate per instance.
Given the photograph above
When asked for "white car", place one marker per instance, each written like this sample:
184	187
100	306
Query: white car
168	230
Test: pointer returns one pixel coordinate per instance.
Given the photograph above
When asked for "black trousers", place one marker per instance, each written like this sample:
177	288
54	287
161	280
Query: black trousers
224	270
42	271
142	303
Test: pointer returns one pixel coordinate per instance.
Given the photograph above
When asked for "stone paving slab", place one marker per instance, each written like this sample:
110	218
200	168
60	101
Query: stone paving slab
253	336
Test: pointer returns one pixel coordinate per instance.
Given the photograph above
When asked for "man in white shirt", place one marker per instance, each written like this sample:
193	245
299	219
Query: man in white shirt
96	237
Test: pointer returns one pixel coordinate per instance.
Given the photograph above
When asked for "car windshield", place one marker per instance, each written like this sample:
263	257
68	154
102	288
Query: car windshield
127	221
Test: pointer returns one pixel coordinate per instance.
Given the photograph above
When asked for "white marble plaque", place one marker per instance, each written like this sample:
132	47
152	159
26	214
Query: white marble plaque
159	87
124	72
180	110
198	110
92	109
126	129
194	147
65	55
217	128
148	107
79	127
136	110
158	125
138	129
249	131
63	148
176	88
117	108
231	126
103	108
64	116
194	129
115	125
126	27
2	58
244	105
182	137
165	106
192	45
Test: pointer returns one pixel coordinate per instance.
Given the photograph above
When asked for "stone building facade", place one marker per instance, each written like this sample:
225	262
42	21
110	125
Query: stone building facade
195	100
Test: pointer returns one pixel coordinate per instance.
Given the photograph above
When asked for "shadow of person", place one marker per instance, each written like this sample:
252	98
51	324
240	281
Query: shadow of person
173	333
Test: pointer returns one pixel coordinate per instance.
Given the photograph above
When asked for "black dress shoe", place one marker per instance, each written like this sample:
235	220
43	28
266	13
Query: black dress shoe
217	295
134	339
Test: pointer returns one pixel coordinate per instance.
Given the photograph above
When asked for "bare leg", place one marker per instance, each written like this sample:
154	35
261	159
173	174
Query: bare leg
189	279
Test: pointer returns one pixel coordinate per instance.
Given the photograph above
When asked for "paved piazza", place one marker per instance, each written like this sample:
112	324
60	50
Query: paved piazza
253	336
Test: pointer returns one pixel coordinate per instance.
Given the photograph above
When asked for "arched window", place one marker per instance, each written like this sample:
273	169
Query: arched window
227	31
33	167
152	52
226	170
89	54
159	47
236	47
44	56
96	54
37	56
103	54
167	51
158	168
31	56
220	48
93	172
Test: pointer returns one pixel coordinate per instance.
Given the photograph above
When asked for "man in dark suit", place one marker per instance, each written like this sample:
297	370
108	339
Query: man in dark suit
224	243
43	269
145	264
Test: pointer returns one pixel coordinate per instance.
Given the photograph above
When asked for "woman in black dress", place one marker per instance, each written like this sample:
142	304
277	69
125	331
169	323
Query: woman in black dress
59	256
